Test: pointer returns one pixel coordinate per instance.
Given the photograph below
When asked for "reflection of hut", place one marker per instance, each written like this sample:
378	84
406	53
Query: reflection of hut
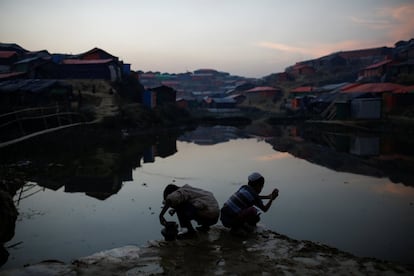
166	146
365	146
94	186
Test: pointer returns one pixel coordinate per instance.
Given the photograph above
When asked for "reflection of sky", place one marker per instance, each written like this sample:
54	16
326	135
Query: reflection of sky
395	189
274	156
363	215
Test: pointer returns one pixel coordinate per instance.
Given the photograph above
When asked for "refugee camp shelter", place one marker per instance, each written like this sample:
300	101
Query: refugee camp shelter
7	58
17	94
366	95
159	96
263	93
300	95
220	103
90	69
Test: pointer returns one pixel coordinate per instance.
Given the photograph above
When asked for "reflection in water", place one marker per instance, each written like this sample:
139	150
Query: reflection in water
365	146
213	135
372	154
273	156
351	211
357	143
100	174
164	147
398	190
94	168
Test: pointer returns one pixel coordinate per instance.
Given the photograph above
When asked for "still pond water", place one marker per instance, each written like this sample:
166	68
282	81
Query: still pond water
363	215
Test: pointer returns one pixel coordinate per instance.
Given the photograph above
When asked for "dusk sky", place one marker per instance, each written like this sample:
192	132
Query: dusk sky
251	38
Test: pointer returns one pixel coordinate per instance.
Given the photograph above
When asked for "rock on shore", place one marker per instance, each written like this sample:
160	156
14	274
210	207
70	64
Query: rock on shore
219	253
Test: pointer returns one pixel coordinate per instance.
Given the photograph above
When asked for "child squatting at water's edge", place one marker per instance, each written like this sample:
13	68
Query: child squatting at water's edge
239	212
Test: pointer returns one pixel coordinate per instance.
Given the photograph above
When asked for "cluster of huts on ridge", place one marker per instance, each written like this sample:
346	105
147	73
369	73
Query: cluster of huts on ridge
38	78
369	92
30	78
18	63
351	100
370	87
372	91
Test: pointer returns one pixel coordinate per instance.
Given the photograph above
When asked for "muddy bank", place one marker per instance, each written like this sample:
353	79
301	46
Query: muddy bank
8	211
8	217
219	253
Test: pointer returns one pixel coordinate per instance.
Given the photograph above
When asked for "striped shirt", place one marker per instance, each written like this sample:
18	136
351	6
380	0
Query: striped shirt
244	198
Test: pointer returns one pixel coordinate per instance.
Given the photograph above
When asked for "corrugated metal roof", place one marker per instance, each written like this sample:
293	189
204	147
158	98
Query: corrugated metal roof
86	61
94	50
405	89
379	64
234	96
373	88
330	87
262	89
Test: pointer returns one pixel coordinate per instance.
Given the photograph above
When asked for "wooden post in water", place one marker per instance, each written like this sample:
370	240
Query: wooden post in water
57	113
20	124
44	118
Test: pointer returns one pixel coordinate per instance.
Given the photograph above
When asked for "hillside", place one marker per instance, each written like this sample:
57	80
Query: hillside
349	66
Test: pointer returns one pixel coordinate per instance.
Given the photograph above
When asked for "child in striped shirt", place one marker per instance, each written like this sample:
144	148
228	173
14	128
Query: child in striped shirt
239	211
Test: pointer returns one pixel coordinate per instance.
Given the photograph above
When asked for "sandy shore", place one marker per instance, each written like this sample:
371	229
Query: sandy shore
263	252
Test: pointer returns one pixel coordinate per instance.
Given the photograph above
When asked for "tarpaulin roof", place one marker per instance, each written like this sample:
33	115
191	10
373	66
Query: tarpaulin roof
29	85
86	61
27	60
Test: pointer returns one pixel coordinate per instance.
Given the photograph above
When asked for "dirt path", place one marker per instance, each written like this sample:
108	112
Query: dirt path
98	93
